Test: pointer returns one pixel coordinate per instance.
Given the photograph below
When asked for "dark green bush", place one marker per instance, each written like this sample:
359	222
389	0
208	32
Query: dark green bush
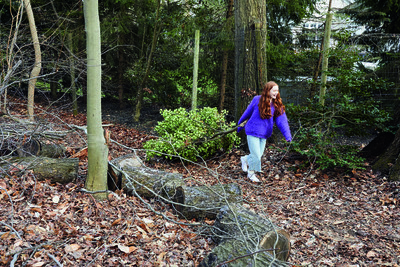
319	128
184	133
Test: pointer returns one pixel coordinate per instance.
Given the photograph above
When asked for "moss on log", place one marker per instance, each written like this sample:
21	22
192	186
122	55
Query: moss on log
57	170
236	222
205	201
31	147
239	253
151	182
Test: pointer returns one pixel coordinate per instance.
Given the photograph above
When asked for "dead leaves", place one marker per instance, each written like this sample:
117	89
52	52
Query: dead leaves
334	218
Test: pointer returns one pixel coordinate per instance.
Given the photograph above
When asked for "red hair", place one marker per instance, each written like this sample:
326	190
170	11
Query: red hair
264	106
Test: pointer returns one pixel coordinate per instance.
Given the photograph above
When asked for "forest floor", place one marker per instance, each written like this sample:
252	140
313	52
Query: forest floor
334	218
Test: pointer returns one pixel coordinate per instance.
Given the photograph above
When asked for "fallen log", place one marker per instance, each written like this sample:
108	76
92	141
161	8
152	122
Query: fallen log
197	202
205	201
32	147
148	182
246	236
63	170
237	253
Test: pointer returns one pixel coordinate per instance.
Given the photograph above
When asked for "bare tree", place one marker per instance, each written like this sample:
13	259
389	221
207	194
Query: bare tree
38	59
139	97
97	148
9	55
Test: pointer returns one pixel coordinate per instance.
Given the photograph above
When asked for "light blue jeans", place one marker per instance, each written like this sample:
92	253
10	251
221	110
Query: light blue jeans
256	147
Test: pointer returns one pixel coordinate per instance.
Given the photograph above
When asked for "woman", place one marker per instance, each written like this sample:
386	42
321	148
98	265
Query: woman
262	112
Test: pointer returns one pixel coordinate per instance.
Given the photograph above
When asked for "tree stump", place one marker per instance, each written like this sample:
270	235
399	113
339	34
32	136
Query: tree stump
205	201
246	236
57	170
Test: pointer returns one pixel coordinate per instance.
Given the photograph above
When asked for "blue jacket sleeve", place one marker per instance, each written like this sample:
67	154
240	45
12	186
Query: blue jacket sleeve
247	113
283	125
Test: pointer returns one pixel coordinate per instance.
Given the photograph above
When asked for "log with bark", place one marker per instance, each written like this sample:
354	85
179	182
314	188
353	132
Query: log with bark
247	239
236	253
26	147
146	182
202	202
63	170
243	237
198	202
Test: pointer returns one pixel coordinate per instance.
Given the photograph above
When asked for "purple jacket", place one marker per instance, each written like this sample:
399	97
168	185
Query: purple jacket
262	128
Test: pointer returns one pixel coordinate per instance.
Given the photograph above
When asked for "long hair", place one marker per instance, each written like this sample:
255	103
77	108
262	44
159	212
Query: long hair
264	106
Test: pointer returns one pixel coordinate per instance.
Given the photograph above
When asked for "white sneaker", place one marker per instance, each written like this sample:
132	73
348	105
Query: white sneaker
253	177
244	163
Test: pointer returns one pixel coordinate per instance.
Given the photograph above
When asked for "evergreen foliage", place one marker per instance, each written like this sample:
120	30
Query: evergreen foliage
187	134
351	109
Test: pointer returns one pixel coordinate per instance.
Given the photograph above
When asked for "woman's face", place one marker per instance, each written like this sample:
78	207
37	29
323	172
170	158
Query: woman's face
274	92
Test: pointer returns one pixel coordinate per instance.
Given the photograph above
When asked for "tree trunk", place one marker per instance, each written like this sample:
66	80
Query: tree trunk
57	170
195	69
10	56
97	148
224	68
72	74
388	163
251	38
121	70
325	56
247	239
139	97
38	59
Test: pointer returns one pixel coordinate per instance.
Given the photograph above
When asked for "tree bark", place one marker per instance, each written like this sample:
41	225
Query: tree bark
235	253
38	59
129	173
195	69
10	55
57	170
388	163
247	237
202	202
325	56
97	148
34	147
250	45
244	237
72	74
121	71
152	183
225	55
139	97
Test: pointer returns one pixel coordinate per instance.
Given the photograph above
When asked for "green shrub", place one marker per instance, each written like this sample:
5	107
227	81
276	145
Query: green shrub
323	150
181	133
319	129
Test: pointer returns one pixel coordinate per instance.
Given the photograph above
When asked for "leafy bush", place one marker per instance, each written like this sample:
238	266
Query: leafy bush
320	127
323	151
184	133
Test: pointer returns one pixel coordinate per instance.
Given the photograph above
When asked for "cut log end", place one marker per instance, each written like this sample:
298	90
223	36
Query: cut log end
272	243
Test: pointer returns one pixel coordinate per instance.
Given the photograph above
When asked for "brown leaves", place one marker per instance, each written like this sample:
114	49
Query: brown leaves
334	218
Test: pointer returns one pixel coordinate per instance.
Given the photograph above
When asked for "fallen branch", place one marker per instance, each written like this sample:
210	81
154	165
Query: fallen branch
219	134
